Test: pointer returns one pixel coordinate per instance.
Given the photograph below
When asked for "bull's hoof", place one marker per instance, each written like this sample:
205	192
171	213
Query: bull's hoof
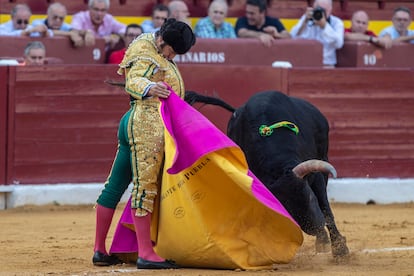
339	248
322	244
322	247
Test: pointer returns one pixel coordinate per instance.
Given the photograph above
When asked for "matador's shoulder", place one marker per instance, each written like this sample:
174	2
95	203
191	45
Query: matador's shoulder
143	48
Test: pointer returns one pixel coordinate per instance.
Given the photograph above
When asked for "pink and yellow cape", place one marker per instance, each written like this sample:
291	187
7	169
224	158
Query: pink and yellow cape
213	212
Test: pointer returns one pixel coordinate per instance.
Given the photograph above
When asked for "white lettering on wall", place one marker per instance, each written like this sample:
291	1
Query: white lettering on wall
96	53
370	59
201	57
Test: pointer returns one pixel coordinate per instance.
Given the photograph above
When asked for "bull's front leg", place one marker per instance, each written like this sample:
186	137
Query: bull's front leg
338	242
322	243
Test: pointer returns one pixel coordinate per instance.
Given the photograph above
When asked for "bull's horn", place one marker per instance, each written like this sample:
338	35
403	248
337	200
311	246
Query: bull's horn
313	165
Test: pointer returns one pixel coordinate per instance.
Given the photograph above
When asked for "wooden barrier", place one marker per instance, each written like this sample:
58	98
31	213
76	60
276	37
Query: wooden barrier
62	123
371	117
4	70
62	120
370	112
364	54
60	48
300	53
244	51
234	84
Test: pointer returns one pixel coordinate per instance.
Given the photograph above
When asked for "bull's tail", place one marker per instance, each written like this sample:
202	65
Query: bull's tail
115	83
192	97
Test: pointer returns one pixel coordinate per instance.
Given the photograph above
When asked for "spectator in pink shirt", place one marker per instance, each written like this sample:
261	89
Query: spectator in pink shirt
98	23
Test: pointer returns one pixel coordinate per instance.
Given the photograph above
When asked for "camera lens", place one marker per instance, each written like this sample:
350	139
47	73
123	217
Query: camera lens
318	13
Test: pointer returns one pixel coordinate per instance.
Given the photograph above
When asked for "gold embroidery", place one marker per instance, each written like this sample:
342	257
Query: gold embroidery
142	66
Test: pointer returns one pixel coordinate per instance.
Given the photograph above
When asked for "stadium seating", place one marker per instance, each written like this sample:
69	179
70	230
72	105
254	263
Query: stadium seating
378	9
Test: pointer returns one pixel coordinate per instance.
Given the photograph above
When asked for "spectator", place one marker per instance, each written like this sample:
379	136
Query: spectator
359	31
160	13
179	11
318	23
54	21
399	32
256	24
34	53
132	31
98	23
19	24
214	26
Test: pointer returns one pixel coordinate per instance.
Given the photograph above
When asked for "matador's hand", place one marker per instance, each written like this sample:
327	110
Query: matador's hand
159	90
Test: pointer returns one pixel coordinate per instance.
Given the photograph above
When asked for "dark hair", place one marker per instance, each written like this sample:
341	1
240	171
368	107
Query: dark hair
133	25
161	7
178	35
262	4
403	9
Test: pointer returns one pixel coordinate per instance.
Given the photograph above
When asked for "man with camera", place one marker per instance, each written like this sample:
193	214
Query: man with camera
319	24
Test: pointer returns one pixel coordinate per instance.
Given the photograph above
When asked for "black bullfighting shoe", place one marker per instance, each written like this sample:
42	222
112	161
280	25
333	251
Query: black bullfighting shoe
145	264
101	259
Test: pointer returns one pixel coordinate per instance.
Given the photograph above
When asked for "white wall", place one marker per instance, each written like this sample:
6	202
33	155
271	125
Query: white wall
347	190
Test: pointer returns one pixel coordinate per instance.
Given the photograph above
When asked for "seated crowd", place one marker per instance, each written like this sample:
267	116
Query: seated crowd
317	23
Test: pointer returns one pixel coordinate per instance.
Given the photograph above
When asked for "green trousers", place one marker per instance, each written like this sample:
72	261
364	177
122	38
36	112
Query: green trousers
121	174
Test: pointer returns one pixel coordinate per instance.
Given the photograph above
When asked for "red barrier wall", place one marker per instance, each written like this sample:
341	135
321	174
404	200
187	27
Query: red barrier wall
62	123
299	52
364	54
245	51
3	121
233	84
62	120
370	114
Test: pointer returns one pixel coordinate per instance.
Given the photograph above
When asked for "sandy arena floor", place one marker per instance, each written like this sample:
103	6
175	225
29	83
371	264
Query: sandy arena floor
58	240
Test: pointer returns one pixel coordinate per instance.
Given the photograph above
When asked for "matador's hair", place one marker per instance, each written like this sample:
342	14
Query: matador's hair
178	35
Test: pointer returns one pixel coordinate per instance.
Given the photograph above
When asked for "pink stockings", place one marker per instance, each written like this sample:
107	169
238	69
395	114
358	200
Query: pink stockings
143	232
142	226
103	222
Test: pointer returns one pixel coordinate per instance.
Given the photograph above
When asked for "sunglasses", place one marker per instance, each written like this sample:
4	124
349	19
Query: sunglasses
20	21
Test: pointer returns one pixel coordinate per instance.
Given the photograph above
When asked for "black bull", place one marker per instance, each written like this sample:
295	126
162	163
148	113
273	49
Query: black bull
277	133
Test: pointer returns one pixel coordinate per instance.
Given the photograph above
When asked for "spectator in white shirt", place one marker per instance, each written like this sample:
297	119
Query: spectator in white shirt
54	21
19	24
319	24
